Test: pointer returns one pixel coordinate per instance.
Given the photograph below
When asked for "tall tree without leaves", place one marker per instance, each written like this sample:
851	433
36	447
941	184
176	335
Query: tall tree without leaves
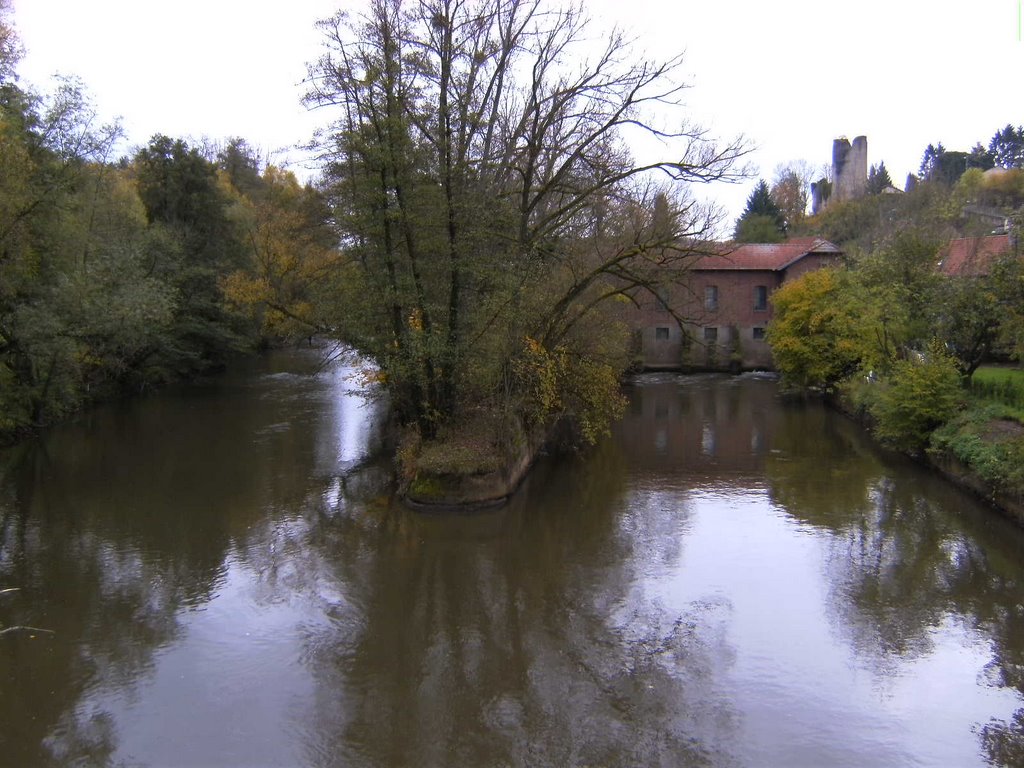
482	187
791	191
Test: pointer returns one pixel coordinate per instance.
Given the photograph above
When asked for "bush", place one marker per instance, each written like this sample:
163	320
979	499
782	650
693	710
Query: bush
558	385
920	395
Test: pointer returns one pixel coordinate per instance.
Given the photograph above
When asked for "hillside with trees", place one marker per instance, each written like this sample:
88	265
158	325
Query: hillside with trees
899	339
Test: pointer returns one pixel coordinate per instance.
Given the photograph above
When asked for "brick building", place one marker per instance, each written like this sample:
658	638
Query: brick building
726	305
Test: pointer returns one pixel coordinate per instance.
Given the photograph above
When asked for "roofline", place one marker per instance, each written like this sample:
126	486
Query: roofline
818	245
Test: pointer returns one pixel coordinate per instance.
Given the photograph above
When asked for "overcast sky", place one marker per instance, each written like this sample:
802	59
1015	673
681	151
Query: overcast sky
790	75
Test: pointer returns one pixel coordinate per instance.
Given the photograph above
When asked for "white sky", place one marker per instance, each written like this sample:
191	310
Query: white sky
791	75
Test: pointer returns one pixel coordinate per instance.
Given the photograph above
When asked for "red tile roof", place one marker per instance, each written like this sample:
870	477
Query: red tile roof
765	256
972	256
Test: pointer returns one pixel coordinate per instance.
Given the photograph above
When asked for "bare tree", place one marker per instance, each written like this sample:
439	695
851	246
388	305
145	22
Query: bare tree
478	161
791	190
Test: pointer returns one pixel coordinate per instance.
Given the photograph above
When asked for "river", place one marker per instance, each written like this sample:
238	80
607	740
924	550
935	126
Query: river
729	580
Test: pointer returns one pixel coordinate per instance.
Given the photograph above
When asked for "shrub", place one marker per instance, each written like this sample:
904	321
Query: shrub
989	441
556	385
920	394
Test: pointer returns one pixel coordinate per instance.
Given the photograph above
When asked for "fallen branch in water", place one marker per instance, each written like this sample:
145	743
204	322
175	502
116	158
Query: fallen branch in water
21	627
26	629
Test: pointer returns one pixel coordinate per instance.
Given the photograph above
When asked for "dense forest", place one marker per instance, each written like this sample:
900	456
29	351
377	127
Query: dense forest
121	273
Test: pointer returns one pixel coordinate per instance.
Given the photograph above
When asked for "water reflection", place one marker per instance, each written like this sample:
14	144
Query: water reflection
731	580
917	572
512	638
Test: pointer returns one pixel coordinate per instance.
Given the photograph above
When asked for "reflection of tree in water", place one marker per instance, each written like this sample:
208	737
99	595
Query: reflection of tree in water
912	565
515	637
901	562
112	528
109	608
1004	741
819	468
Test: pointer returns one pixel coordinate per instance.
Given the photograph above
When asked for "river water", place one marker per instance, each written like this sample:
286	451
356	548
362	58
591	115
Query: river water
730	580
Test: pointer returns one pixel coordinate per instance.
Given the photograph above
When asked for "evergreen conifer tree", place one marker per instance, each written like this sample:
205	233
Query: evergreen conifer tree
762	220
878	179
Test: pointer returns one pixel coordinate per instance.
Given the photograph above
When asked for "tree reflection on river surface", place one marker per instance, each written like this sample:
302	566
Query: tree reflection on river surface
731	579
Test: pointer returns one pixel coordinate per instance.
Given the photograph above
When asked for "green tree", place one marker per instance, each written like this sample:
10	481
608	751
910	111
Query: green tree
759	209
904	289
921	394
980	157
758	228
485	195
878	179
241	163
10	49
293	259
1008	279
196	242
49	147
1006	147
941	165
930	159
817	334
978	314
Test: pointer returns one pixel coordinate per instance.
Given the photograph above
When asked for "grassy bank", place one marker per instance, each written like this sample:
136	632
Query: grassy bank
1000	385
987	436
978	441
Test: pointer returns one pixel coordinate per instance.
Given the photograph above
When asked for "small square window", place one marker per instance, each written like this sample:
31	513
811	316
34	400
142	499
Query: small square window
760	298
661	334
711	334
711	297
758	334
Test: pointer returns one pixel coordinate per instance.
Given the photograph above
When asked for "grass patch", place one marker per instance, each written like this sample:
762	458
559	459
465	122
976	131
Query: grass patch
459	455
469	448
988	437
1000	385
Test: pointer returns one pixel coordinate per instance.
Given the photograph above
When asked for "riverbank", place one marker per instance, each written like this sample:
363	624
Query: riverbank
981	451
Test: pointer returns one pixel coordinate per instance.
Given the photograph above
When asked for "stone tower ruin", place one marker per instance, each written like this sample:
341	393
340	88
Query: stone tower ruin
849	168
849	174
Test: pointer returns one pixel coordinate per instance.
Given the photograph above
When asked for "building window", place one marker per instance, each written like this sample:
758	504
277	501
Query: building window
760	297
759	334
711	298
710	334
661	334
